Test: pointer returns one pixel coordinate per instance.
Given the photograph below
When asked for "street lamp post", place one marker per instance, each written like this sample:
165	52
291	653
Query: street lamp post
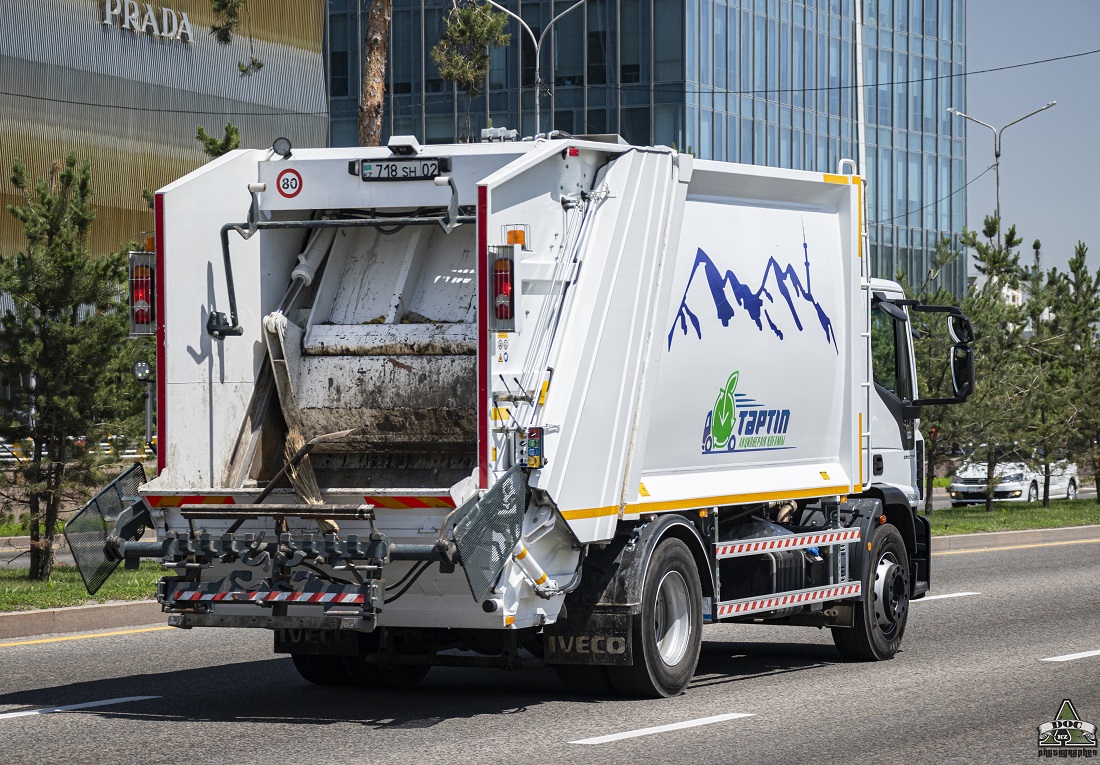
997	150
538	44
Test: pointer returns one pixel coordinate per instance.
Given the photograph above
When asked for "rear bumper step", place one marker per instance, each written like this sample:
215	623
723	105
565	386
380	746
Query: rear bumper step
353	623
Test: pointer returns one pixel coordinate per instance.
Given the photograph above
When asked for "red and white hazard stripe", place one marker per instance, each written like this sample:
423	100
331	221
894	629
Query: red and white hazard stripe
800	598
266	596
794	542
392	502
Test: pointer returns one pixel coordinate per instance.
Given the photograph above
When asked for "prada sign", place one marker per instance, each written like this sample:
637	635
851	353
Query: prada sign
144	18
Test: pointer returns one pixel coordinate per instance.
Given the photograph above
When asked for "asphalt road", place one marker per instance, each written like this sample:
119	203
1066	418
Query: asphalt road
970	686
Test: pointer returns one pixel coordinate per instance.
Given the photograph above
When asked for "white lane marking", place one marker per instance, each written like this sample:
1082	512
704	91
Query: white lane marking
1072	656
661	728
85	705
947	595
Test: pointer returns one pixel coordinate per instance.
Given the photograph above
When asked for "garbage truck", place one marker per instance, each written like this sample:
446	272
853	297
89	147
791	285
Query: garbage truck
522	403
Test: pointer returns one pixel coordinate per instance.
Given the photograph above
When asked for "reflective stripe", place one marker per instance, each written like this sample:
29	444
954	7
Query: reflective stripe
752	605
786	543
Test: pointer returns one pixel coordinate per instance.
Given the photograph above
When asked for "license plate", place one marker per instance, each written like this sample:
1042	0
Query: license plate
411	169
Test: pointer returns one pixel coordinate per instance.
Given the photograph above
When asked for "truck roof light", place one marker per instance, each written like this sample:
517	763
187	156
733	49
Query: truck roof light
282	147
517	234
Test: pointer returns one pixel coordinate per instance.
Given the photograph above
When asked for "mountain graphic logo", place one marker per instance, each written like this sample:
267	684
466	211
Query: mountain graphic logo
781	290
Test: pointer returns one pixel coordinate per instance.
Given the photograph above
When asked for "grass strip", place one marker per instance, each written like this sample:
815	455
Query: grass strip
1014	516
65	588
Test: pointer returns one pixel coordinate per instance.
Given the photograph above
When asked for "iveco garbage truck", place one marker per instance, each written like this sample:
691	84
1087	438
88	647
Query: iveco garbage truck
524	403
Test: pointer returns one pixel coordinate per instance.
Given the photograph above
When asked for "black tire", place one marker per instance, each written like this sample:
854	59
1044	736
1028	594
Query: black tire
382	676
1033	493
668	633
584	680
1071	490
881	616
321	670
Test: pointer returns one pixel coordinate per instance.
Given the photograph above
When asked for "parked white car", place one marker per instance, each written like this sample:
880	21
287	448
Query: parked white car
1017	482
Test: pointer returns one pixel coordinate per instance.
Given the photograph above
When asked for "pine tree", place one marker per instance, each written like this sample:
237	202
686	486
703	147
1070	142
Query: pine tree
463	51
61	340
215	147
1077	304
1047	375
995	415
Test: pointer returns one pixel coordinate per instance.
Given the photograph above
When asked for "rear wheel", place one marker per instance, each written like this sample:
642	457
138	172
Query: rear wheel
1071	490
668	633
321	670
383	675
880	618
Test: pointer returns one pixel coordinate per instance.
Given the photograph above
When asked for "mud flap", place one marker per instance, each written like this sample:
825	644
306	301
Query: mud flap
601	637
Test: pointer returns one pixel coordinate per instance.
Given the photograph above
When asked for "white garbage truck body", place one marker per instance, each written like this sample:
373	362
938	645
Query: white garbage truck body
554	401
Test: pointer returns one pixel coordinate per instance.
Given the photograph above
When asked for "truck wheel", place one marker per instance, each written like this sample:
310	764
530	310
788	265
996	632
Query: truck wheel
668	633
583	680
321	670
388	676
880	618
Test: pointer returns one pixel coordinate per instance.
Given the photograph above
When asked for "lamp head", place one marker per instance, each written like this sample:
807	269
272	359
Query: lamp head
282	147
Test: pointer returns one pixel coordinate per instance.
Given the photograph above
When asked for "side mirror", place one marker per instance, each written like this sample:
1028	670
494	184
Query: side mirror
962	369
962	355
962	331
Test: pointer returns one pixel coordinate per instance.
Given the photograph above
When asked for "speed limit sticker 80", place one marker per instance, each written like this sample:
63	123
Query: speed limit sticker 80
289	183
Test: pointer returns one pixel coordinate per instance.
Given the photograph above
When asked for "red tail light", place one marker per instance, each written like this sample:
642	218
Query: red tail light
503	296
143	291
141	297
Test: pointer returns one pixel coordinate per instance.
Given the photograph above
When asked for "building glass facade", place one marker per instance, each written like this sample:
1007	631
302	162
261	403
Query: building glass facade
767	82
126	85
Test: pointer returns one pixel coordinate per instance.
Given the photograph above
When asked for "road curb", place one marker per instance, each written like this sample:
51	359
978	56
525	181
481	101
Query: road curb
987	539
101	616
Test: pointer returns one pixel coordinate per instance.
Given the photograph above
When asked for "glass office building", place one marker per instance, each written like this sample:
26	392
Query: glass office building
768	82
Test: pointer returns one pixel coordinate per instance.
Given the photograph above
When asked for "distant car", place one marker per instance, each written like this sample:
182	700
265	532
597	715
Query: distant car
1016	483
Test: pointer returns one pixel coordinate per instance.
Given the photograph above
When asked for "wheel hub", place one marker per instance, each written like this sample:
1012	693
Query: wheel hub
672	618
891	594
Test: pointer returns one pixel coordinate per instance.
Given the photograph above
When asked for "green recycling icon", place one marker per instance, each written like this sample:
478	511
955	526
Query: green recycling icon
724	415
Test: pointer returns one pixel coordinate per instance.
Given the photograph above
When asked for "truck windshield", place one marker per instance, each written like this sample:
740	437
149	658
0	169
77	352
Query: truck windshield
890	354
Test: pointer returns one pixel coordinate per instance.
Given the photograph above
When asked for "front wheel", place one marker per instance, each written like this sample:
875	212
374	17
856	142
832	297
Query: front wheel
668	633
1032	493
1071	490
881	616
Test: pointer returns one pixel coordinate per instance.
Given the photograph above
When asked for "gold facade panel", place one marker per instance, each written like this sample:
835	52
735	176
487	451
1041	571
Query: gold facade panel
130	103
